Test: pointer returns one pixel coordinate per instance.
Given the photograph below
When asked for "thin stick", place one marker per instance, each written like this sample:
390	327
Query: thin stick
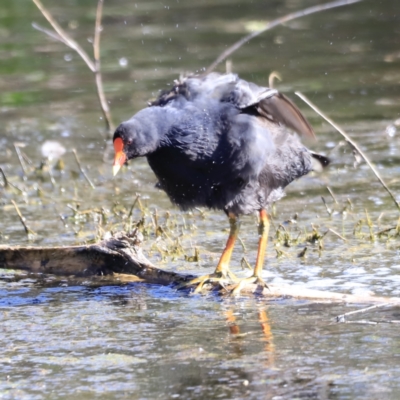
242	244
366	322
328	210
246	264
48	32
8	183
360	322
63	37
385	230
342	318
4	178
22	219
352	144
337	234
21	159
81	169
272	24
97	73
332	194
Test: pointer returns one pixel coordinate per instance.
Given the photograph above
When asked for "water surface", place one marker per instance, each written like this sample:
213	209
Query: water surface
63	339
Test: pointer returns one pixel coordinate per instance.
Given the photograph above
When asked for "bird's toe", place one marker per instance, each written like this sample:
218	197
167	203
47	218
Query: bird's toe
261	284
212	280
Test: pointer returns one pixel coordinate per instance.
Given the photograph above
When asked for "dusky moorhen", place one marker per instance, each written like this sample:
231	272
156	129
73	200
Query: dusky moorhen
221	142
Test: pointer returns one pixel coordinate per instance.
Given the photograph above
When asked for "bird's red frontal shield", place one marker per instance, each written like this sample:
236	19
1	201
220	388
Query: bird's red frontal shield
120	157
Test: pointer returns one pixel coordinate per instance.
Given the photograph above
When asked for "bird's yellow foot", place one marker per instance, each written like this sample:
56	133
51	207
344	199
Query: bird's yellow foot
248	281
222	278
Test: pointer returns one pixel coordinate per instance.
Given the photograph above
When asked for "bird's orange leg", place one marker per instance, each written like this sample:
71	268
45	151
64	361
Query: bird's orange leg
222	273
263	230
223	264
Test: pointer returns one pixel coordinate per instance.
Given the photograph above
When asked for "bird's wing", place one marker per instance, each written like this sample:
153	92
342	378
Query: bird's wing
281	109
274	106
229	88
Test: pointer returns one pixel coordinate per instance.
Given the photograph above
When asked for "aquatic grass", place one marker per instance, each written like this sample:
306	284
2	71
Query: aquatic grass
173	233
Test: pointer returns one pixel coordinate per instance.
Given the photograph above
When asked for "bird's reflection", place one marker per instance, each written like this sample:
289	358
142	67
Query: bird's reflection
265	335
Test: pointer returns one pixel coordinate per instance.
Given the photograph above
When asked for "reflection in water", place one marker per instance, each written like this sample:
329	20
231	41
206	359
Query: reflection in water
266	337
152	341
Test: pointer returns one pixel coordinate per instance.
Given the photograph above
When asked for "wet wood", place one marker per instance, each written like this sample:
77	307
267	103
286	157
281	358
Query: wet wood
120	254
120	259
300	293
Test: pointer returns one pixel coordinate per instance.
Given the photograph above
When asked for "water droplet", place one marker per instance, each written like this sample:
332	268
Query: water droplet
123	62
391	130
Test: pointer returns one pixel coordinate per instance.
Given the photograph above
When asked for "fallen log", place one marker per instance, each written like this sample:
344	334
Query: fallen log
118	254
121	259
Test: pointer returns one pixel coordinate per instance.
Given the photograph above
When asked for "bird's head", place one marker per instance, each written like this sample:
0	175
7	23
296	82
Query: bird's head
134	138
123	141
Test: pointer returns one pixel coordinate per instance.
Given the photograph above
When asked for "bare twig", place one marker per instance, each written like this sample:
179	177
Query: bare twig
28	231
242	244
352	143
360	322
385	230
337	234
48	32
64	36
97	73
328	210
8	183
94	66
272	24
332	194
342	318
21	159
82	171
366	322
4	178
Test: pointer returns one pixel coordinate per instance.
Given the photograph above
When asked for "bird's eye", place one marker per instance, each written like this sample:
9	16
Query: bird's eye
128	142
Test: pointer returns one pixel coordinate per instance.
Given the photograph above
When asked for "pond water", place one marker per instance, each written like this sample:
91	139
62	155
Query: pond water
62	339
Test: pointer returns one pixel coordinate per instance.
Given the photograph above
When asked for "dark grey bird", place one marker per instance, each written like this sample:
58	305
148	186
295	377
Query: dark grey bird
221	142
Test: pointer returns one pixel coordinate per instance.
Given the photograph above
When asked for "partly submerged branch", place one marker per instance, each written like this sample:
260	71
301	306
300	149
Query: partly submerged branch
120	254
272	24
120	259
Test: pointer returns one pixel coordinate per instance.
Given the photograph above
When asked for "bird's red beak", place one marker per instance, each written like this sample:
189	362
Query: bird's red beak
120	157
